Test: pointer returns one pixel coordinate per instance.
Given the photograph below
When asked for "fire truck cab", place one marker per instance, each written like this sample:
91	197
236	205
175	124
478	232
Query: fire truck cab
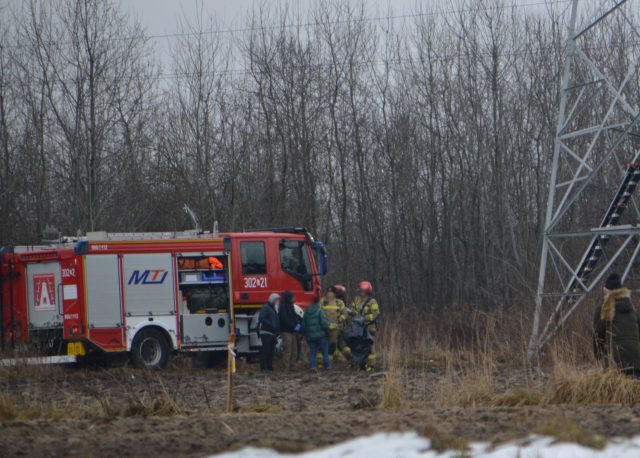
152	294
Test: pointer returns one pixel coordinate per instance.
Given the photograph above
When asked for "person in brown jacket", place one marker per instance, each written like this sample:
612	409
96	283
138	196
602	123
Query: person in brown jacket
617	328
289	328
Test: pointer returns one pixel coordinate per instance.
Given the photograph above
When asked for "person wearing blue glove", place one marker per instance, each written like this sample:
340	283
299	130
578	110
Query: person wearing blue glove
289	326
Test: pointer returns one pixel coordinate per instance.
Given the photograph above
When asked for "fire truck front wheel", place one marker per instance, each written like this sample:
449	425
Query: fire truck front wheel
150	349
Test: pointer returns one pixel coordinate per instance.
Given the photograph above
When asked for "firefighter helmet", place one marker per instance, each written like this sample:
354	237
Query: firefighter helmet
340	291
365	287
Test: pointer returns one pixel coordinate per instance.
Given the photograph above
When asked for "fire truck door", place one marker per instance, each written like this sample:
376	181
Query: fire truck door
103	293
43	295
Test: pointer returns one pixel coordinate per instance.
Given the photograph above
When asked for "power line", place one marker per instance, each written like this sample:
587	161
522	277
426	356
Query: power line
348	21
396	62
339	22
363	63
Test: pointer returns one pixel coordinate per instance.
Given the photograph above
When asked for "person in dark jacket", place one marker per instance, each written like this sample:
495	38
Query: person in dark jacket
268	329
315	328
617	328
290	325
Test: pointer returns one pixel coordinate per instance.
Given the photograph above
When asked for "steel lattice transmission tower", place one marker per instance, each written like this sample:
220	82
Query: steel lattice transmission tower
592	218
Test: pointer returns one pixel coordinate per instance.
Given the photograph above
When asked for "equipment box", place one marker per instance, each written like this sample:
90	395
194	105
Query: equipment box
191	277
214	276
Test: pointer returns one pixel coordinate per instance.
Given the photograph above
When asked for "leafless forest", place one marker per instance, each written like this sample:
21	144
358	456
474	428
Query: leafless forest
416	146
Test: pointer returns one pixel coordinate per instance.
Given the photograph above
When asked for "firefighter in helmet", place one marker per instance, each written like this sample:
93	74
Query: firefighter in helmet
340	292
335	311
364	304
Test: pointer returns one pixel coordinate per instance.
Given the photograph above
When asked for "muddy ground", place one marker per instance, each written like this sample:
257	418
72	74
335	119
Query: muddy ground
179	412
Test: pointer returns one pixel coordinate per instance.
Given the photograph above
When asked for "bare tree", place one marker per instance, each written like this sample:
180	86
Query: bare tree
92	67
417	147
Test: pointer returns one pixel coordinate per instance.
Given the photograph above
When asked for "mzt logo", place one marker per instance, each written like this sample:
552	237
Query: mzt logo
148	277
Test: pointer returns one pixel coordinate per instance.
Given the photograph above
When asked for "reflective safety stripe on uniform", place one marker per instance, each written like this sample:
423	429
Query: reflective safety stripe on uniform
371	358
334	313
373	311
369	308
372	354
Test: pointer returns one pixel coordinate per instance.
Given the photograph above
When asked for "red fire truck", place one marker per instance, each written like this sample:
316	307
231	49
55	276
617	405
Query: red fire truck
150	294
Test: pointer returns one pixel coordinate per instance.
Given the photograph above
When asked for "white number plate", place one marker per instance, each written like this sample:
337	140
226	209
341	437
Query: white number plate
255	282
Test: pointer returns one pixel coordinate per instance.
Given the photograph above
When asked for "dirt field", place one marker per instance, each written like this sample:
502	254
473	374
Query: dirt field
179	412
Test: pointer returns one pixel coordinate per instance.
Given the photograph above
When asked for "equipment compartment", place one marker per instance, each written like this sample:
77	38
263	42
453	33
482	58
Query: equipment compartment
204	288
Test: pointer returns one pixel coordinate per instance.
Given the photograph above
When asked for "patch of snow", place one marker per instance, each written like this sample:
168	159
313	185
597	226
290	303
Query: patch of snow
410	445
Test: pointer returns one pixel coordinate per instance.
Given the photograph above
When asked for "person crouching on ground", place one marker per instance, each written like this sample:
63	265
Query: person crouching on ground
289	326
315	328
617	329
268	329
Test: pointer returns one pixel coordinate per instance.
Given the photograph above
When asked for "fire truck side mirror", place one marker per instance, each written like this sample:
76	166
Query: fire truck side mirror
324	264
323	258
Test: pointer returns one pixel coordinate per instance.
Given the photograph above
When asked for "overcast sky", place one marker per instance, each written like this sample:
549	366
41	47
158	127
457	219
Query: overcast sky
160	17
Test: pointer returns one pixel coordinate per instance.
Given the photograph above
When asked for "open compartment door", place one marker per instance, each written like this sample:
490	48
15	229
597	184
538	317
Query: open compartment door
206	314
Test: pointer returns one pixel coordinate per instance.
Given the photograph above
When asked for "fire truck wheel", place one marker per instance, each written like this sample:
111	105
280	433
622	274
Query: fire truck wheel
150	350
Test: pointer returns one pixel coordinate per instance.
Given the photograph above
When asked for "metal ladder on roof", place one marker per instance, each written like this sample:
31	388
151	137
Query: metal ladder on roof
100	236
596	248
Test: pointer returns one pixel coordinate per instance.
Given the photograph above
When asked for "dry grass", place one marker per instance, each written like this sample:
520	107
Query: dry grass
26	394
443	441
158	407
465	390
262	408
14	407
391	391
157	402
468	378
22	373
468	349
391	396
567	430
566	384
572	385
8	410
464	353
470	393
518	397
142	406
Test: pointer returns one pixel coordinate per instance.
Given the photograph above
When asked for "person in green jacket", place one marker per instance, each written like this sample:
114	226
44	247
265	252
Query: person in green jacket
315	327
617	328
